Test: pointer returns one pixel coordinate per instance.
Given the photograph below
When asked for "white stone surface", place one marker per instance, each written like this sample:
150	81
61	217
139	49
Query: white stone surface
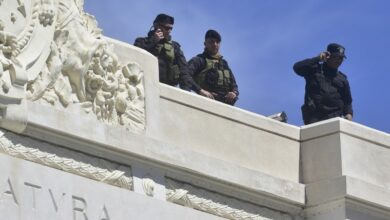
344	148
335	210
66	160
35	192
366	160
103	140
321	158
82	73
149	182
228	133
62	82
338	124
344	209
220	205
347	164
52	52
347	187
149	65
249	186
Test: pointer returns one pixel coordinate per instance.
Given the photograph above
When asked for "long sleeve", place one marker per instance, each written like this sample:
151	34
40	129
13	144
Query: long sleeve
306	67
233	83
347	98
195	66
147	44
186	80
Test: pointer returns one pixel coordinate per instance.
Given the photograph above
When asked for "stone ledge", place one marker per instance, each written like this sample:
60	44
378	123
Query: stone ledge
339	125
350	188
229	112
123	147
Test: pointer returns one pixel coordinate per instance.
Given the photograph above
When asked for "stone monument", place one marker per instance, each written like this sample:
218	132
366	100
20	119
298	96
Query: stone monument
87	132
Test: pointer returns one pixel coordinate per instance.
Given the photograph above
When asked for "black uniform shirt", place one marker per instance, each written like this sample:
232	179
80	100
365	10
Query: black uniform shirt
327	89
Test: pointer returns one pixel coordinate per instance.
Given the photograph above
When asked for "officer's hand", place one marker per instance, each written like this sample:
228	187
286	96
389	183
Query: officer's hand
230	97
348	117
206	94
324	56
158	35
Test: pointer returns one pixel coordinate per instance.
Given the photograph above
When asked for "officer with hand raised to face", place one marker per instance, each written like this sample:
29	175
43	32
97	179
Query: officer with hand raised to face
172	63
327	90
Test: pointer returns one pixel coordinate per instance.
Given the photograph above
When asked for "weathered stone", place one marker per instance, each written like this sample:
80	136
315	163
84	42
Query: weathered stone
89	133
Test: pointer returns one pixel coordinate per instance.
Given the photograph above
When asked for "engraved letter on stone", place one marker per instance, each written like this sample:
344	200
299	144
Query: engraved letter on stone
10	191
33	187
79	205
55	204
104	214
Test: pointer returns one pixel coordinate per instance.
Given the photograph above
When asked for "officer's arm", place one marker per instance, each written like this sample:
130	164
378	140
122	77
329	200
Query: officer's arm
233	85
186	80
146	44
307	66
195	66
347	98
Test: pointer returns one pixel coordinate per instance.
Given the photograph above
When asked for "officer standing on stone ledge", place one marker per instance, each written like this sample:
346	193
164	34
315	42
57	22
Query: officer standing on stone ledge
327	91
171	61
212	75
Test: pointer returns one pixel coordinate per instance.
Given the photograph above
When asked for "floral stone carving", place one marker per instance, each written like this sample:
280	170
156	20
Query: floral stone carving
53	52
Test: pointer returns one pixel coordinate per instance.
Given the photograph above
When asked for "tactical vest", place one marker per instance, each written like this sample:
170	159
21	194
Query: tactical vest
167	51
214	77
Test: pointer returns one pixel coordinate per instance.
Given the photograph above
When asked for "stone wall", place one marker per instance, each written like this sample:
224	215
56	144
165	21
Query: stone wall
87	132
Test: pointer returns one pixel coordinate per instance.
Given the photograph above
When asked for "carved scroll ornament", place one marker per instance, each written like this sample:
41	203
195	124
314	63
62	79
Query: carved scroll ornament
218	204
105	175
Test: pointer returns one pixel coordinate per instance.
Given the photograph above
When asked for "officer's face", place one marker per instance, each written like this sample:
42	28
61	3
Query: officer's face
166	29
335	61
212	46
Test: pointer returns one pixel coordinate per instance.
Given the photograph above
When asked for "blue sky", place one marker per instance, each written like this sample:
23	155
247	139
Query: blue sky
262	39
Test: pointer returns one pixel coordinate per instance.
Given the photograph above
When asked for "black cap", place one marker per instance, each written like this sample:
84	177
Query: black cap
336	49
164	19
213	34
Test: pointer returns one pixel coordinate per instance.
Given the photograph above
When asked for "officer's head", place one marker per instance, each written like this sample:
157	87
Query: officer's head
165	23
337	55
212	42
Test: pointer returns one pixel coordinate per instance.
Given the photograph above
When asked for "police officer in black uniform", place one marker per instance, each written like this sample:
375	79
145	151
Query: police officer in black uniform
327	91
211	73
172	63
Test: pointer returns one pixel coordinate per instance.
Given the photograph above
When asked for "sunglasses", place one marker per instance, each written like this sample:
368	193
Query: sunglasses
337	57
166	27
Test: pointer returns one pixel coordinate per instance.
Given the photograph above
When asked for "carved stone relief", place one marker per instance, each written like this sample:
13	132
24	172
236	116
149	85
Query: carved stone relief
66	160
23	45
53	52
148	186
218	204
